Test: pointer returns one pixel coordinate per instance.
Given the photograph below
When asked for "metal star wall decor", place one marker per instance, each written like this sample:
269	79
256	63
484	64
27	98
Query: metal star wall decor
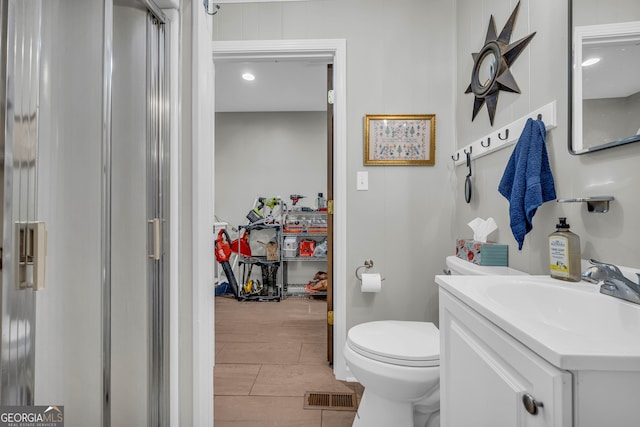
491	65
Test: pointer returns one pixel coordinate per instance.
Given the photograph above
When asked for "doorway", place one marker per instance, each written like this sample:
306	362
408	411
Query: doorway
334	51
271	151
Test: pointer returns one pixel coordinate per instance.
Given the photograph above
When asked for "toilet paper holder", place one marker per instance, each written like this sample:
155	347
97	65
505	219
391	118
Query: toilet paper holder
368	263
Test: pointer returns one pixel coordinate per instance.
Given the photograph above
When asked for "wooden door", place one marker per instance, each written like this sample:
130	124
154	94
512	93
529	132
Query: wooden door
330	213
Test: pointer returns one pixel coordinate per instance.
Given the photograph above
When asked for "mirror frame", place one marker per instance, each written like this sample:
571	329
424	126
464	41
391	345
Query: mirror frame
478	88
575	79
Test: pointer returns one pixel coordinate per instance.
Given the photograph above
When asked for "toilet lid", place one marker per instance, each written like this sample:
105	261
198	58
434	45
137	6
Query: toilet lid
398	342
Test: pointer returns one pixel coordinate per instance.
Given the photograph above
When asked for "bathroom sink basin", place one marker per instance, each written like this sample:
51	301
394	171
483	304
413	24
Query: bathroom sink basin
571	325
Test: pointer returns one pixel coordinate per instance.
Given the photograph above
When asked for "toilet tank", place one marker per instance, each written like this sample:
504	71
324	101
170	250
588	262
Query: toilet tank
459	267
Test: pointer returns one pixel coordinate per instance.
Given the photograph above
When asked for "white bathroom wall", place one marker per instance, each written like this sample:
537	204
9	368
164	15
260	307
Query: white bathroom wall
68	319
591	12
268	154
399	61
542	74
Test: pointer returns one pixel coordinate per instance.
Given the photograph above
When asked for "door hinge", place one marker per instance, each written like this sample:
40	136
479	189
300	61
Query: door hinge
330	318
331	96
330	207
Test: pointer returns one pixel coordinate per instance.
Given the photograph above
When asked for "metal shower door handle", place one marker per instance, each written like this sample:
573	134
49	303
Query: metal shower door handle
155	238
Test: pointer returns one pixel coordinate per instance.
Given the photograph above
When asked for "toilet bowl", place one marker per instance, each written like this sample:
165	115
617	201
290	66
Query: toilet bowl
398	363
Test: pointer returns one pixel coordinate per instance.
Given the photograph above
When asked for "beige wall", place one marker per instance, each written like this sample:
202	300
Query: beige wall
399	61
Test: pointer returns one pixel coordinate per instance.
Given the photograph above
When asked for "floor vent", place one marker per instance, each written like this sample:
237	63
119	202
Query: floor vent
332	401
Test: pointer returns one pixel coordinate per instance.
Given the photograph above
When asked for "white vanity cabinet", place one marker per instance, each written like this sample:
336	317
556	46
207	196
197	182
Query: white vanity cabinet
487	376
564	345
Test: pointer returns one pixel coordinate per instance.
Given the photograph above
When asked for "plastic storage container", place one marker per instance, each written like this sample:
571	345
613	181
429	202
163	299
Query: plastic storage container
290	247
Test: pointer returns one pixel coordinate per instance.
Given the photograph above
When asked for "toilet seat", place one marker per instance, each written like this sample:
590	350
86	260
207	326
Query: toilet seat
403	343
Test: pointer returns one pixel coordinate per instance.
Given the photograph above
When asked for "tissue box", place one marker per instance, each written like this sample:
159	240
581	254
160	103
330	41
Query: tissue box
489	253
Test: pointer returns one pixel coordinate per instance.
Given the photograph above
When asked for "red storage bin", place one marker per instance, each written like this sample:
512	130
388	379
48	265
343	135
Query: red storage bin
307	247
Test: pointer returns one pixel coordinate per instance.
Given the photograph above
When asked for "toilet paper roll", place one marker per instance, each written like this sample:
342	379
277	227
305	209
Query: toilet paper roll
371	282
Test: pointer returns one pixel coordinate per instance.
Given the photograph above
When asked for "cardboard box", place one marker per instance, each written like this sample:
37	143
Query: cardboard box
480	253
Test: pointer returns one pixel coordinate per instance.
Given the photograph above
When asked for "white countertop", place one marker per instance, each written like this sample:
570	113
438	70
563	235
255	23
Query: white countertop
571	325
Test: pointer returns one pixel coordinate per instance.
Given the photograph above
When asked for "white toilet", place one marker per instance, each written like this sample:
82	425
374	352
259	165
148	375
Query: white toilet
398	363
458	266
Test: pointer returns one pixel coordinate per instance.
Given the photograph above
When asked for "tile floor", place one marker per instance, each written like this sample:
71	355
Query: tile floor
268	354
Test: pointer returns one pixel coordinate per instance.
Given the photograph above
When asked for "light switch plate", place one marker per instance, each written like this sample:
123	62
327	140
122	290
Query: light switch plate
363	181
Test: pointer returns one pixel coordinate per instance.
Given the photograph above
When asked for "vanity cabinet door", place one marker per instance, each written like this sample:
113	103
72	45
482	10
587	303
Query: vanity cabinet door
486	374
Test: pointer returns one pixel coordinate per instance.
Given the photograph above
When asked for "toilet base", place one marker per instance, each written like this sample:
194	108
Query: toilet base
375	411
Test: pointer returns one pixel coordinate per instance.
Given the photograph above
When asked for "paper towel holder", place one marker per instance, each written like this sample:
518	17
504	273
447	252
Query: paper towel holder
368	263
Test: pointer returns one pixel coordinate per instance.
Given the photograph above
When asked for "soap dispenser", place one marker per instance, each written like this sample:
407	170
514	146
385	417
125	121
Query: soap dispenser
564	253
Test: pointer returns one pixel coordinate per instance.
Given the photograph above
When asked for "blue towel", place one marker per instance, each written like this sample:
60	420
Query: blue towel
527	181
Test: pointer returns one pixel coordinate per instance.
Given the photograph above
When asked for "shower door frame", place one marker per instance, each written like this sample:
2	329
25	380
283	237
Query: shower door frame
158	218
158	206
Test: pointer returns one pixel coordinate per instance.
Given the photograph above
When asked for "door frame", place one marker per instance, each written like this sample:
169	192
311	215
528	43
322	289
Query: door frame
335	51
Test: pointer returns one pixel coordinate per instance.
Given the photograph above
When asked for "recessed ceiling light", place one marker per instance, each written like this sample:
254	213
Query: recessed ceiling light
590	61
248	76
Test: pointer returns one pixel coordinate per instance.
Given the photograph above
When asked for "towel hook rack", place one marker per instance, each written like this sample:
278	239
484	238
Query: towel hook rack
506	135
457	157
488	142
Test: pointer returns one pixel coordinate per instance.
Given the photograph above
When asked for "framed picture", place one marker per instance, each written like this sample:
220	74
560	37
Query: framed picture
400	139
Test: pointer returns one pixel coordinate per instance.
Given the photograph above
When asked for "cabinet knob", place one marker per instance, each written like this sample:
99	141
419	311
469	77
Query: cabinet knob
531	404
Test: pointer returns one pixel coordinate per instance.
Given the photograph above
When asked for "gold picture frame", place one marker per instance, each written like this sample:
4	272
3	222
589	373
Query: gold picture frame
401	139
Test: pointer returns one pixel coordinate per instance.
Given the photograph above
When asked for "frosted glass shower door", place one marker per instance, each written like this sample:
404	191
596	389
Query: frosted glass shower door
139	229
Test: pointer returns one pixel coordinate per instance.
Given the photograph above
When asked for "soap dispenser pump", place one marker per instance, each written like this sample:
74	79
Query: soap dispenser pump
564	253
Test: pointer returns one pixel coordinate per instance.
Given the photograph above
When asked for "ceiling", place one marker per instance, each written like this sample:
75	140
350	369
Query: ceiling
279	85
616	75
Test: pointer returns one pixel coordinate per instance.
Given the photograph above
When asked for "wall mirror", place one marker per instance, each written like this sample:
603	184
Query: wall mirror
605	83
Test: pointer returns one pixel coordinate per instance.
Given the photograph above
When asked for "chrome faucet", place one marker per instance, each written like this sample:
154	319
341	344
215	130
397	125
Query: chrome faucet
614	283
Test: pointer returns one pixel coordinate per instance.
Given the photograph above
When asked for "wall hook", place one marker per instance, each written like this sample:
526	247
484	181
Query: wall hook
216	7
488	143
539	116
506	135
470	151
456	157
